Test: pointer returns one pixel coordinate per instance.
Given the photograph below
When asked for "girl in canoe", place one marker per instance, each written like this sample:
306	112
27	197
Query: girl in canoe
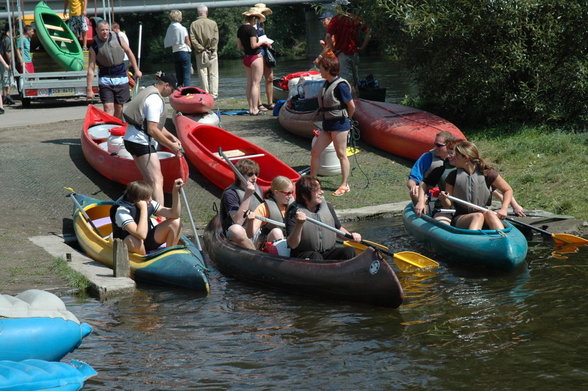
278	197
131	218
306	239
473	181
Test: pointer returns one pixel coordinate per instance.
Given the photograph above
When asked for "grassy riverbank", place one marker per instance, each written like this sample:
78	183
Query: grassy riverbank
545	167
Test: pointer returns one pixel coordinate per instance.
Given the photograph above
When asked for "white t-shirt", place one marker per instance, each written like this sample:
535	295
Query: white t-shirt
152	110
123	214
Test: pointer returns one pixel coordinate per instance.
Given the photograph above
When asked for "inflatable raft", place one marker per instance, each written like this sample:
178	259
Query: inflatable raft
36	325
31	375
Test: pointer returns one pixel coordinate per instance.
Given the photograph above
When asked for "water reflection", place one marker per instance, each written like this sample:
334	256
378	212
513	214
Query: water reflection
456	331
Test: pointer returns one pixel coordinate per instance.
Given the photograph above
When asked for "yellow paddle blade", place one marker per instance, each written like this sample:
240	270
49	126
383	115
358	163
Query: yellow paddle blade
352	151
378	245
567	238
415	259
358	246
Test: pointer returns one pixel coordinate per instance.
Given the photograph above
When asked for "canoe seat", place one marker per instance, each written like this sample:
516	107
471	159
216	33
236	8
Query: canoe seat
57	28
61	39
231	153
237	154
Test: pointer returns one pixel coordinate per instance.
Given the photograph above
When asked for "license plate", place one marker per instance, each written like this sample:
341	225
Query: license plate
62	91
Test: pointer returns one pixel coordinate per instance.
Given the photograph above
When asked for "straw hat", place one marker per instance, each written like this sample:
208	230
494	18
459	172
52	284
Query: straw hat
254	12
263	9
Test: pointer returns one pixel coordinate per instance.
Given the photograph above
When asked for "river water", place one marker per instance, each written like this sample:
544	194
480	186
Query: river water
232	81
458	329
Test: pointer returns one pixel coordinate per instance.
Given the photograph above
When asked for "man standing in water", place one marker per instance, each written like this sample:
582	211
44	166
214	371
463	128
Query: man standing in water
108	52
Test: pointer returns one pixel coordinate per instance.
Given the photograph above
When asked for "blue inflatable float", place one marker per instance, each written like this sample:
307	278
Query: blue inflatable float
36	325
43	375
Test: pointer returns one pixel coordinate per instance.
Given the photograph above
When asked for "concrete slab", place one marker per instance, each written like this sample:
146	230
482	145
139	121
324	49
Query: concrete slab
103	284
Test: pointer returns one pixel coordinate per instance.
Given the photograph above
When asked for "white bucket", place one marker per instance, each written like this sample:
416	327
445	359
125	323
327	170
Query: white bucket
329	163
209	118
115	144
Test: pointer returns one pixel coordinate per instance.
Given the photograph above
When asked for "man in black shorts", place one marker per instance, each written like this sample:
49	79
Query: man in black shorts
108	52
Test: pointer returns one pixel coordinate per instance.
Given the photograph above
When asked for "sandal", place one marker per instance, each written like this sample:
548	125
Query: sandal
258	113
271	107
342	190
262	108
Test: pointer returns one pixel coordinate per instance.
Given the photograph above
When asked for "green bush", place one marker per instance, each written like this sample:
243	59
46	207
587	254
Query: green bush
480	61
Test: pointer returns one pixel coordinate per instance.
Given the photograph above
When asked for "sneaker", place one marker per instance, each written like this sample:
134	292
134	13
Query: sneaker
342	190
1	111
8	100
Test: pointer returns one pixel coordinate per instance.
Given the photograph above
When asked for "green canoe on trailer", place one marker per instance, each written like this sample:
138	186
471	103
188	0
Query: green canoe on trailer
57	38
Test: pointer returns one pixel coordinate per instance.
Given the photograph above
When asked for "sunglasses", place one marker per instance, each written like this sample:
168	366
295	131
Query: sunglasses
286	193
250	174
439	145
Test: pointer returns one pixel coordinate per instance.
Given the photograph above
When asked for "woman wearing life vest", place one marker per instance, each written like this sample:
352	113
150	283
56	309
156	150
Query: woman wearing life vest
473	181
308	240
131	220
278	198
436	179
336	107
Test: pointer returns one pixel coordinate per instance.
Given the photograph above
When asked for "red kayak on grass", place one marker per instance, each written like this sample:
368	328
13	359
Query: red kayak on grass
191	100
101	141
201	143
400	130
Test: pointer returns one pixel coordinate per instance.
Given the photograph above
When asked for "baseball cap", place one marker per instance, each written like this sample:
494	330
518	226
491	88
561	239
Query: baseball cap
167	78
326	14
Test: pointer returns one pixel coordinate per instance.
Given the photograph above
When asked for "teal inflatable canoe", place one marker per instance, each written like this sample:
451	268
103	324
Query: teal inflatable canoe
57	38
503	249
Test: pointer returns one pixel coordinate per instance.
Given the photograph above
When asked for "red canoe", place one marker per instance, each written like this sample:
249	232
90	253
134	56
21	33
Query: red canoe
201	143
400	130
121	167
191	100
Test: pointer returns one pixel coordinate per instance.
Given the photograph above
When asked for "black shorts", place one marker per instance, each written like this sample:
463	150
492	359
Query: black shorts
119	94
138	149
150	243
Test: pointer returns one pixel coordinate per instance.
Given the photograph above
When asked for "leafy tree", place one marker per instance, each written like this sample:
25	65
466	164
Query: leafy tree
491	60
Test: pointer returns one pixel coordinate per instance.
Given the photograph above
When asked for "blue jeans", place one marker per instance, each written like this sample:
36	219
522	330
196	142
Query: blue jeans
183	67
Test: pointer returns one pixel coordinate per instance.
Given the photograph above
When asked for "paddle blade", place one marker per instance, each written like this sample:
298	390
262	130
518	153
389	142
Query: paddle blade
415	259
378	245
568	238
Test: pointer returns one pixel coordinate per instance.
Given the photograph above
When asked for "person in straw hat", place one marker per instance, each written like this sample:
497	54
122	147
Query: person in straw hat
268	71
252	61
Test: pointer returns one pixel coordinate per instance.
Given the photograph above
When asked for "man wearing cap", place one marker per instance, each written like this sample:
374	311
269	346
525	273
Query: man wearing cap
108	52
204	38
146	115
342	38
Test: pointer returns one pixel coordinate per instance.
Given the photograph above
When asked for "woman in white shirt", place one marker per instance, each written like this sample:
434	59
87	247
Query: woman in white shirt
177	37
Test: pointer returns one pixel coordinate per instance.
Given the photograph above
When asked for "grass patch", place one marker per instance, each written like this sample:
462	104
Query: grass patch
545	167
73	278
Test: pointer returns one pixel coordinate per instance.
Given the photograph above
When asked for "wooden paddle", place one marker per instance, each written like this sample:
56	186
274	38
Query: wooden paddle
562	238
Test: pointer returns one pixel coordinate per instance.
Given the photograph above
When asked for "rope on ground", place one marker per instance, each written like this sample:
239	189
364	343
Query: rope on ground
352	138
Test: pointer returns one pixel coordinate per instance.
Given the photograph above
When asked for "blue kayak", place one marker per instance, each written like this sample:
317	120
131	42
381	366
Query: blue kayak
503	249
